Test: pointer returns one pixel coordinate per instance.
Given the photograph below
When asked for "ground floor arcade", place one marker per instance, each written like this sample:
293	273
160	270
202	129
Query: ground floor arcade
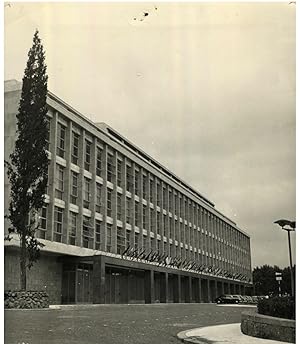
104	279
111	280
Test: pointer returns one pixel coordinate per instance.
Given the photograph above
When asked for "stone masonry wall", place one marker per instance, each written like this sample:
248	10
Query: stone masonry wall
26	299
264	326
45	275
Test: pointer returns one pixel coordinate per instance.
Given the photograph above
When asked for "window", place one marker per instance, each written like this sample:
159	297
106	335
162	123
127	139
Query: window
186	230
108	237
128	210
109	203
158	225
171	227
165	247
144	217
151	191
153	219
136	240
120	240
99	161
145	241
110	167
181	207
164	225
170	201
136	182
61	136
47	186
128	238
87	233
119	172
165	201
73	228
87	155
86	193
98	237
185	209
158	194
144	186
98	198
58	223
152	242
129	178
119	207
75	148
47	120
43	223
177	230
181	233
176	204
136	214
59	182
74	187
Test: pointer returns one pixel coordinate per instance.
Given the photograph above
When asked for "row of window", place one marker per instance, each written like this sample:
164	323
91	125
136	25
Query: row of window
91	234
138	182
145	218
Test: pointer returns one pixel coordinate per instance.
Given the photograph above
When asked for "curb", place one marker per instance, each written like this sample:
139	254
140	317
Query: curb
190	340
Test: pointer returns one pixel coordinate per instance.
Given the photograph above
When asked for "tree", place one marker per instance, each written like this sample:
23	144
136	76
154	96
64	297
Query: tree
265	282
28	166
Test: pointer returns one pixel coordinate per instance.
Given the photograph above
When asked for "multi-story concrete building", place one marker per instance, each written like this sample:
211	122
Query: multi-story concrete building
118	227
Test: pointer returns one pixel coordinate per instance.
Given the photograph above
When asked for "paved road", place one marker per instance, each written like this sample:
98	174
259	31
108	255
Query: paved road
113	324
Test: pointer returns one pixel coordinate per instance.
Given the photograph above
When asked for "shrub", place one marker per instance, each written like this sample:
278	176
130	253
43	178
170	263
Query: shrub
280	307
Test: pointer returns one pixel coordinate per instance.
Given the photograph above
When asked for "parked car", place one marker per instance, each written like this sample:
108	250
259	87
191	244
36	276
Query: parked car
238	298
244	299
225	298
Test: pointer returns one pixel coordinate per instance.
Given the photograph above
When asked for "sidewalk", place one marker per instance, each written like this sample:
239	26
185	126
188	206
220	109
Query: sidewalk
220	334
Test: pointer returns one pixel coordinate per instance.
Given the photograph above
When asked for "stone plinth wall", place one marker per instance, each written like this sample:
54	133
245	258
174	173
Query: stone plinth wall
264	326
26	299
45	275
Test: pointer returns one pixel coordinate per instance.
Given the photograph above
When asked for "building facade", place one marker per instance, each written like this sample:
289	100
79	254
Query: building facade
118	227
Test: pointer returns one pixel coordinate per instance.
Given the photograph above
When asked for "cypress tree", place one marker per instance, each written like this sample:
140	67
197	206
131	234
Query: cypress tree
27	168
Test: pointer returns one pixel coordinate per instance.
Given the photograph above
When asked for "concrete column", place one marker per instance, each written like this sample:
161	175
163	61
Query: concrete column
149	286
99	279
189	288
243	289
226	288
199	299
209	293
177	288
216	291
164	287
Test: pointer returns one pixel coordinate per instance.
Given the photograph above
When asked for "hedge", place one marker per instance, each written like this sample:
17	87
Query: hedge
280	307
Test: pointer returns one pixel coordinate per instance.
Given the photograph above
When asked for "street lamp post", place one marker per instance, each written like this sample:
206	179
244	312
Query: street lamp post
292	225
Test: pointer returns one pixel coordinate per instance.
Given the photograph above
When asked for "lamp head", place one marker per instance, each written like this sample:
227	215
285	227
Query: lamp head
282	223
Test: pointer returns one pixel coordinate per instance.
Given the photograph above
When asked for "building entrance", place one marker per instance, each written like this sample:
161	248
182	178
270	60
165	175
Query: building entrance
77	283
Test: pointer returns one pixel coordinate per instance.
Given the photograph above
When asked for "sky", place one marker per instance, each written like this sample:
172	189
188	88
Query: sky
206	89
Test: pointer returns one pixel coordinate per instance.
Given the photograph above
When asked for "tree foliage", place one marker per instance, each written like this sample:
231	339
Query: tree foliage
265	282
27	168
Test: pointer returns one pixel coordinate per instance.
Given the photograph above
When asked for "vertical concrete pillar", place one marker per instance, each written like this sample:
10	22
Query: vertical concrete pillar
198	290
243	289
164	287
208	291
177	289
99	279
149	286
222	288
215	295
190	289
